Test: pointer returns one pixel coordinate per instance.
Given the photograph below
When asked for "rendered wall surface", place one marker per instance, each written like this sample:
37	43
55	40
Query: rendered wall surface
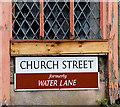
5	35
119	49
87	97
113	50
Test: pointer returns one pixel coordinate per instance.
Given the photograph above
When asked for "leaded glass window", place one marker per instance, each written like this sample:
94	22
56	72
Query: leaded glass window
87	20
26	20
56	19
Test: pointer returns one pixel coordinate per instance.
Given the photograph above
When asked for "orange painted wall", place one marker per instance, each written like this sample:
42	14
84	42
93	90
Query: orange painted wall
113	50
0	54
5	35
109	30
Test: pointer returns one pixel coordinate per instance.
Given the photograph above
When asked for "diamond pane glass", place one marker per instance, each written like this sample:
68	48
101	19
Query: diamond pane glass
56	19
26	19
87	19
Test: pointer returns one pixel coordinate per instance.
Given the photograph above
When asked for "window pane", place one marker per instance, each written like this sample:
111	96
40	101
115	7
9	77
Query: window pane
87	20
56	19
26	20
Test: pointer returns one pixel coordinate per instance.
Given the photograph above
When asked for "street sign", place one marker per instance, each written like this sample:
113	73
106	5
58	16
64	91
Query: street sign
56	73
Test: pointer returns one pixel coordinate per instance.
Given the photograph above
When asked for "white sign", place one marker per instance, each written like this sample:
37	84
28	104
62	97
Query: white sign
56	64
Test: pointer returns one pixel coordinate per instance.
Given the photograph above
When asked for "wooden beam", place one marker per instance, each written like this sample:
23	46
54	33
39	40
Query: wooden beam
58	47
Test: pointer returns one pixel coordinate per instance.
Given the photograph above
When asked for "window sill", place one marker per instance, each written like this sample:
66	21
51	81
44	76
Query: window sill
46	47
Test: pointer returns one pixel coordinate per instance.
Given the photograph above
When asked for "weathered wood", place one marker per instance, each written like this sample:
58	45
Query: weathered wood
63	47
103	19
113	51
72	20
41	20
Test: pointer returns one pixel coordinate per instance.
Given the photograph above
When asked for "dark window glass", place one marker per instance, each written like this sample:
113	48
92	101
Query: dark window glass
56	20
26	20
87	20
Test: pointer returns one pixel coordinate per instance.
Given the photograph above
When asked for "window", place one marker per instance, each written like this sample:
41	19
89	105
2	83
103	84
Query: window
87	20
26	20
56	20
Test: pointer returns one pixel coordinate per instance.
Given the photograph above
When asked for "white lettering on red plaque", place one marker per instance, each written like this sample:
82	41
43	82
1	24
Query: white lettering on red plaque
56	73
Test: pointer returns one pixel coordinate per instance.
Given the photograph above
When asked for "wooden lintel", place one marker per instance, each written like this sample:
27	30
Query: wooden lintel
62	47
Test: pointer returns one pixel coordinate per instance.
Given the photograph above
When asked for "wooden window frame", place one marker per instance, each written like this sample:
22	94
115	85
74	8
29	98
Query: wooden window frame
102	21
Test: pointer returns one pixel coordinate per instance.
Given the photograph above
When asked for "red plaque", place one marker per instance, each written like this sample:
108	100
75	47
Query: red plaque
57	81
